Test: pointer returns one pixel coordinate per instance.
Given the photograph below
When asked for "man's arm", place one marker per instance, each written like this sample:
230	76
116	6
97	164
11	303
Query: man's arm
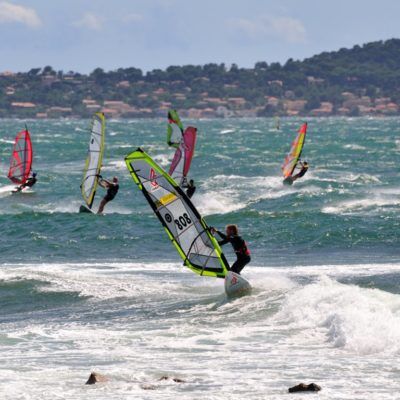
224	238
104	183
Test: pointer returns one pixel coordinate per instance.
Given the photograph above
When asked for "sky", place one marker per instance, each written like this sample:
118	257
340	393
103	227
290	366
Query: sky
81	35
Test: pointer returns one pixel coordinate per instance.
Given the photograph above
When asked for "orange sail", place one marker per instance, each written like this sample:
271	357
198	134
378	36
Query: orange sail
294	154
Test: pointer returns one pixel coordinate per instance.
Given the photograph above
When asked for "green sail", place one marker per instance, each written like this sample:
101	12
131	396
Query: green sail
185	227
174	129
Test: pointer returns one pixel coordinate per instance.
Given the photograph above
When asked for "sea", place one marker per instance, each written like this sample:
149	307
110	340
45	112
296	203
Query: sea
108	293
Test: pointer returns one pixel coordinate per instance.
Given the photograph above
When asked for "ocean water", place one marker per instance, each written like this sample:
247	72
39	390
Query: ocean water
82	293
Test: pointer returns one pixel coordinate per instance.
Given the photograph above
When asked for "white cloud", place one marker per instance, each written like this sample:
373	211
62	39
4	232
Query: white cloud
14	13
90	21
289	29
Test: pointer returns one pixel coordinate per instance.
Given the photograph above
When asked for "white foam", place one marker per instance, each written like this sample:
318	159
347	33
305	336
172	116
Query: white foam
140	322
362	321
221	202
6	190
225	131
163	159
354	147
328	176
115	165
6	141
236	192
373	202
65	206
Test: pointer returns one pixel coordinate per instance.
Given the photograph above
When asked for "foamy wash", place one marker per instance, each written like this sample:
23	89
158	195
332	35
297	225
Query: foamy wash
108	293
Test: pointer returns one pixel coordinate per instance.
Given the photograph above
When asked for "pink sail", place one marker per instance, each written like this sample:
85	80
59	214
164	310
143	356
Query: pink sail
21	159
183	156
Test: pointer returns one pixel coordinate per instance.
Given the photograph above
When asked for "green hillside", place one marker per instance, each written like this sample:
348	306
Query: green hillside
358	81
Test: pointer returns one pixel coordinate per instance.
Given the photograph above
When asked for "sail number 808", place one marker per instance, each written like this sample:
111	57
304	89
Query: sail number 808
183	221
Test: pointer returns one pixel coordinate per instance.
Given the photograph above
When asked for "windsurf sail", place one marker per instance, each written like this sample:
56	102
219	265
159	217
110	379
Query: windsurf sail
294	154
183	156
174	129
94	158
185	227
21	158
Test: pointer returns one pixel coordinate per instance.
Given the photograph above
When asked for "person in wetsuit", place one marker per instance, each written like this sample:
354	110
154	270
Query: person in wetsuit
238	244
304	168
29	182
112	190
190	189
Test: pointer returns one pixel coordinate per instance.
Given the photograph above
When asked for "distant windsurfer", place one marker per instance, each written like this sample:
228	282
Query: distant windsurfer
291	178
174	128
112	190
29	182
239	246
190	189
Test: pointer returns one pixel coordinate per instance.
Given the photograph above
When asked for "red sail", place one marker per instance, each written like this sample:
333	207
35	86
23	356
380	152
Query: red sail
183	156
21	159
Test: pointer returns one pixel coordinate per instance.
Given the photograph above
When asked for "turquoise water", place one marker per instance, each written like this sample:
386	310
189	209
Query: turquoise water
81	292
346	208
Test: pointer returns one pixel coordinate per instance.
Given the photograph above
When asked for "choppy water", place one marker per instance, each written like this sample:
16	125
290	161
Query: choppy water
108	293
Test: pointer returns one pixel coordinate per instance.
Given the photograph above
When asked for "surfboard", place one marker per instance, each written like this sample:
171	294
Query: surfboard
236	285
84	209
26	190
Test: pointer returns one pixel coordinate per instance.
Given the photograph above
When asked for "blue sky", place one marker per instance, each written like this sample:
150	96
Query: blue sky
81	35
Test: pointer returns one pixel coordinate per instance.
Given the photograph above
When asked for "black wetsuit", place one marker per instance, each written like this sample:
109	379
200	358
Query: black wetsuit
290	179
301	173
190	191
240	248
30	182
111	191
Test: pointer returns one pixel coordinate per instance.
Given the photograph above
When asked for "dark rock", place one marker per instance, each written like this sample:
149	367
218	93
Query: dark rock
302	387
177	380
95	377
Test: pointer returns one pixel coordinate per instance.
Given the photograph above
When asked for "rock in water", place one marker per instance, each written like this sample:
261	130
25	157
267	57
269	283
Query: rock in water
95	377
176	380
302	387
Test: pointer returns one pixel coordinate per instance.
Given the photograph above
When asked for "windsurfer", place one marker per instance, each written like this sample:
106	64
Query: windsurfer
190	189
112	190
29	182
304	168
239	246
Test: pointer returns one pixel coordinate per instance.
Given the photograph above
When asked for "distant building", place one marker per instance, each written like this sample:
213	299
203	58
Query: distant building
17	104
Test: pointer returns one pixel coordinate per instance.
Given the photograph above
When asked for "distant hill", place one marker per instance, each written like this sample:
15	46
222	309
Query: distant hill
359	81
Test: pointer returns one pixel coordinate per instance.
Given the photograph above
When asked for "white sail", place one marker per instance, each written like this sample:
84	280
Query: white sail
94	159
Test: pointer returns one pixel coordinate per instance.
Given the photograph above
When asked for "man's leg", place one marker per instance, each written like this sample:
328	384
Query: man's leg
239	264
101	206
